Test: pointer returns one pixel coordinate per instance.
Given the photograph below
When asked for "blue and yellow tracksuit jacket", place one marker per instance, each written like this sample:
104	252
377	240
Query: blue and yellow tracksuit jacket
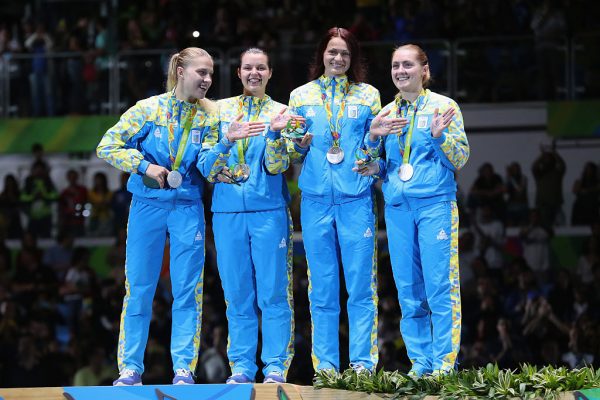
337	212
150	132
253	235
422	220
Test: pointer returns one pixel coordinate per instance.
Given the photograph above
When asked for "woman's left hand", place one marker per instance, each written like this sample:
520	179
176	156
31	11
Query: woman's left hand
383	126
368	169
441	121
280	121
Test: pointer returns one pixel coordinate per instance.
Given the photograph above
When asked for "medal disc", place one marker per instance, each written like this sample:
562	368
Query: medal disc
406	172
174	179
149	182
335	155
241	172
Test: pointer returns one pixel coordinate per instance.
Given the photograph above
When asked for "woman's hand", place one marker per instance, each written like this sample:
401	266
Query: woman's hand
441	121
281	120
366	169
242	130
304	142
382	126
158	173
225	176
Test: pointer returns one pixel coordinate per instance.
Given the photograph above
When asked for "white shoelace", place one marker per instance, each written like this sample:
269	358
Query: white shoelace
126	373
183	372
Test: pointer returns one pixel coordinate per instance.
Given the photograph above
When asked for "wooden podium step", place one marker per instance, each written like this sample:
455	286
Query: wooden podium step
218	392
185	392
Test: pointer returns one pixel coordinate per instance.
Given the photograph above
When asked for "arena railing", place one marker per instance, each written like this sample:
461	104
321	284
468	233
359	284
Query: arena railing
483	69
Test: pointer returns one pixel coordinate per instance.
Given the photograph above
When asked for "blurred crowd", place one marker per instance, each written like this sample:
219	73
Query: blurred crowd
69	84
59	317
267	23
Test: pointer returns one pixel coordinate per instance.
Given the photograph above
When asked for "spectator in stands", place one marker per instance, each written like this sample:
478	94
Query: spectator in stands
213	361
535	239
40	43
71	205
32	280
75	95
5	262
100	196
548	170
583	343
589	256
121	201
488	189
490	237
38	153
96	372
58	257
38	195
10	209
517	203
586	208
549	28
79	283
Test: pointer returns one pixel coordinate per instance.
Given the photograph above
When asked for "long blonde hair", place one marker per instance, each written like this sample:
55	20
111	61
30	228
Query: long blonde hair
182	59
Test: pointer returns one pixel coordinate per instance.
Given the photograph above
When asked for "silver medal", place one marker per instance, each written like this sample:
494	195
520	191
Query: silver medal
174	179
406	172
335	155
241	172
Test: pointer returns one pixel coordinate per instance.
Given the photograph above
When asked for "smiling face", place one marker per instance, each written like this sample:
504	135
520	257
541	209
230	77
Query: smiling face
336	57
194	80
408	73
254	72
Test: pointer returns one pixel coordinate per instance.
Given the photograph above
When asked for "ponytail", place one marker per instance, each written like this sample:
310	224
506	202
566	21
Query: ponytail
182	59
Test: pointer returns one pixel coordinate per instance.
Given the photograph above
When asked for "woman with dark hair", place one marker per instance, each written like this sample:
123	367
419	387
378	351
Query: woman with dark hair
100	197
10	209
252	226
422	136
337	210
587	196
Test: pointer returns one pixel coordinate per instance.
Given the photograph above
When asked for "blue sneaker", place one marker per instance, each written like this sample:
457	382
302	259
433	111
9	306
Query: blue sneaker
237	379
128	377
360	369
274	377
183	377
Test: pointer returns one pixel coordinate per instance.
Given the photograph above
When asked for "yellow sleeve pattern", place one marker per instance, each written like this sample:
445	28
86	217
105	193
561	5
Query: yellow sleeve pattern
112	146
455	145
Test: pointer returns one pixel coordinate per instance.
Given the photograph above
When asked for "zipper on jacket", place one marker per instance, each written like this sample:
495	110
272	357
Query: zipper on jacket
245	160
331	135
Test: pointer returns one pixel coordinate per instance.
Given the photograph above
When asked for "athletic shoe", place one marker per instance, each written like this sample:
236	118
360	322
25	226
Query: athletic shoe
360	369
274	377
128	377
183	377
238	378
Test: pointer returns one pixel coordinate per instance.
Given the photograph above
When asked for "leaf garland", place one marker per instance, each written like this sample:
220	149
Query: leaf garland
530	382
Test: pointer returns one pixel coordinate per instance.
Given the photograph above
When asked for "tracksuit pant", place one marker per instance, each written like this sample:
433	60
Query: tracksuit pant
423	244
254	257
348	229
146	235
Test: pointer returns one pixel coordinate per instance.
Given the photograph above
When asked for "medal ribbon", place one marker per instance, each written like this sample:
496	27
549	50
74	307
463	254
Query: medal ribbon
176	161
242	145
334	126
408	139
